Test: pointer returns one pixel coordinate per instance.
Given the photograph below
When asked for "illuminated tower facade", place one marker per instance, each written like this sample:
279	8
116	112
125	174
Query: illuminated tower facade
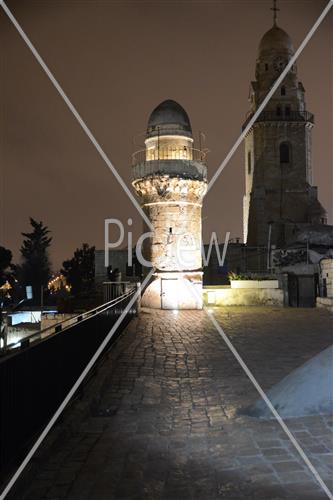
278	150
170	178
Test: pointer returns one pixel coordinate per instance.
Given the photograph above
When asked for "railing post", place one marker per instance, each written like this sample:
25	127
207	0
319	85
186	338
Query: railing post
138	300
24	343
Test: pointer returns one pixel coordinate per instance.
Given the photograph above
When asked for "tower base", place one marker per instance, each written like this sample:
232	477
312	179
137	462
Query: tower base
174	290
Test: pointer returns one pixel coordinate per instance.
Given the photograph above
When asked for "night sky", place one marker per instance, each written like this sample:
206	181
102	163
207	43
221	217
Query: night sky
116	61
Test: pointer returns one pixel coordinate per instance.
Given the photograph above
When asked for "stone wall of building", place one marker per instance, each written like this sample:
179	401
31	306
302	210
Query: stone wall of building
173	205
326	275
182	292
276	191
325	303
326	285
227	296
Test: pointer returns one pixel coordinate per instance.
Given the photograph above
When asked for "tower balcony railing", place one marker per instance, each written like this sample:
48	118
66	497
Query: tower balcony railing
169	152
189	163
283	116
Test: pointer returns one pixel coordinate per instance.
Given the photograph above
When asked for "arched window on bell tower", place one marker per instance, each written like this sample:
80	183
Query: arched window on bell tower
285	152
249	163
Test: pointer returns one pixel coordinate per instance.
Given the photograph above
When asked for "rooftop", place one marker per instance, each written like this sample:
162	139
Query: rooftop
276	40
169	118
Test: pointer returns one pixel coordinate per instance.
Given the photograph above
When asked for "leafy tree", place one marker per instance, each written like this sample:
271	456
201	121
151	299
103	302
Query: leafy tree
5	263
35	269
80	270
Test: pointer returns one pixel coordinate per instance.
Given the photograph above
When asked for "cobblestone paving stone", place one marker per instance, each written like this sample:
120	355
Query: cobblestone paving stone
168	423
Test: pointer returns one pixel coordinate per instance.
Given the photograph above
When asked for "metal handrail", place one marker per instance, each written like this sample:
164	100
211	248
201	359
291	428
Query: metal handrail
170	152
58	327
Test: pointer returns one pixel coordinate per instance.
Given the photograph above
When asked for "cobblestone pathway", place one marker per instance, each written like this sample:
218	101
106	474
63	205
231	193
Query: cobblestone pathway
165	424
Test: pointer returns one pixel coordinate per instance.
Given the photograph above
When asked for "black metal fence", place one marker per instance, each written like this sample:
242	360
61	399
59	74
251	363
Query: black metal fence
114	289
35	380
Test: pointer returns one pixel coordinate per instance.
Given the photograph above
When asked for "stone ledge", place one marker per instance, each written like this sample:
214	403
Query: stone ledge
325	303
228	296
186	169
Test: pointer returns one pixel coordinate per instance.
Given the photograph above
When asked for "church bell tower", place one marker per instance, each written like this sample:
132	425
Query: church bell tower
278	162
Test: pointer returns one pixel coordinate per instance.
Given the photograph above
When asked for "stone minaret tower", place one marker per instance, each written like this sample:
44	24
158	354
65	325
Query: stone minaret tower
278	164
170	177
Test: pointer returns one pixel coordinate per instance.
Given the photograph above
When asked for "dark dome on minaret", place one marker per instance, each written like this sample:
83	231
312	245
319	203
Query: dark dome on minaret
169	118
276	40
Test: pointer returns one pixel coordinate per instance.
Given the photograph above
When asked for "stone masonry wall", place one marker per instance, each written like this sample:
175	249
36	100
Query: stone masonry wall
226	296
173	205
327	275
276	190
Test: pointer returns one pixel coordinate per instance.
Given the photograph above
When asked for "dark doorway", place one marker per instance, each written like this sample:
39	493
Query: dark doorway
302	290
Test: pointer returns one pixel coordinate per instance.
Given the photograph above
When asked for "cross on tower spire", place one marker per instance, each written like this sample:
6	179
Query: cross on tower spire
275	11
